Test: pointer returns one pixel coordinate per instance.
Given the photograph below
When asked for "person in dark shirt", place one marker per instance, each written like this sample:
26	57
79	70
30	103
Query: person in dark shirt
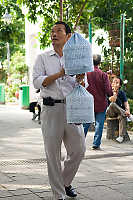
100	87
119	107
32	108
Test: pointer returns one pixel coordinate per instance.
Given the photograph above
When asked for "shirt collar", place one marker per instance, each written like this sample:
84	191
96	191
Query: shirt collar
96	67
52	53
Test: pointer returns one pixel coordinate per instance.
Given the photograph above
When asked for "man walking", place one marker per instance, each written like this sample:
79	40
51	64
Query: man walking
49	76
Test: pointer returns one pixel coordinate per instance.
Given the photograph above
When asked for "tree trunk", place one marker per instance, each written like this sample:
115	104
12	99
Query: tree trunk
61	10
80	13
112	129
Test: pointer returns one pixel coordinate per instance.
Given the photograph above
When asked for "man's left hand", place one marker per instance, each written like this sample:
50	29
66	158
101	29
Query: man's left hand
80	78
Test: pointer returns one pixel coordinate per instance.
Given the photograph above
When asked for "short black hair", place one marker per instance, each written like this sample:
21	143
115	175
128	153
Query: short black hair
121	82
67	27
96	59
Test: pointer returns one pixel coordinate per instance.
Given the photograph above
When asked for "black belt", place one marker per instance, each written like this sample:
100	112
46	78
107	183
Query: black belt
48	101
59	101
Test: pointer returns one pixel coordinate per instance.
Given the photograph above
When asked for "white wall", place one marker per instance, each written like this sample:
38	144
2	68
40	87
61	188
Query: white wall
32	50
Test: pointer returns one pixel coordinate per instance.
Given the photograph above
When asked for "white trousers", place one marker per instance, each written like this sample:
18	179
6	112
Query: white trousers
55	130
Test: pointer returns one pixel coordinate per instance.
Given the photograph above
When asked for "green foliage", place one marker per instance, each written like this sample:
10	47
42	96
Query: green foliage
130	124
10	91
17	75
18	68
128	75
131	105
12	33
107	16
104	14
49	11
3	75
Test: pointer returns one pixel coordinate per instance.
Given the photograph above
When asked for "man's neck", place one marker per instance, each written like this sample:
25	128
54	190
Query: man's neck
59	51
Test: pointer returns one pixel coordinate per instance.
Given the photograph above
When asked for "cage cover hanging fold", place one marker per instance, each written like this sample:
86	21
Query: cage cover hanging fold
77	54
80	106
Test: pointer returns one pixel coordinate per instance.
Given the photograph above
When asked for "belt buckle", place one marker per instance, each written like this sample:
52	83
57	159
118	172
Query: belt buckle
64	101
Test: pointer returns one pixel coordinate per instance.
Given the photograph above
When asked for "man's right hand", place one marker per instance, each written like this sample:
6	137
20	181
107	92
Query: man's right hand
50	79
80	78
112	99
62	72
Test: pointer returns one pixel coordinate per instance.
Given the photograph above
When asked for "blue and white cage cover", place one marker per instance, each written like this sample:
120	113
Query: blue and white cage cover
77	53
80	106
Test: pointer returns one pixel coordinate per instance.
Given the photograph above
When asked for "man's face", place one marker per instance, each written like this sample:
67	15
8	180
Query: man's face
116	83
59	36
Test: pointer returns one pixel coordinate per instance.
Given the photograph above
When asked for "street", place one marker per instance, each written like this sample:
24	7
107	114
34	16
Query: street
105	174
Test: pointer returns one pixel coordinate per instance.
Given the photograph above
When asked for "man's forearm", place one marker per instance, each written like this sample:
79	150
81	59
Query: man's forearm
50	79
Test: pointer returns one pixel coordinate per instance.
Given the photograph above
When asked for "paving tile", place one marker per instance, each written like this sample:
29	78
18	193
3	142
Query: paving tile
126	188
23	197
102	193
20	192
103	175
5	193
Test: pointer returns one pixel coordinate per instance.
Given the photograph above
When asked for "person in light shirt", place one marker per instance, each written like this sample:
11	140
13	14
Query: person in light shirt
49	76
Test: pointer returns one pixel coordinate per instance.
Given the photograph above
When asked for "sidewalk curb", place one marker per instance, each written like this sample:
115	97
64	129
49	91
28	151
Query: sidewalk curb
108	155
16	162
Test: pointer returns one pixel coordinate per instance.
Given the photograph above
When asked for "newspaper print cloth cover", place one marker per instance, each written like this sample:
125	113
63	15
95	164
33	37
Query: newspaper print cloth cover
77	53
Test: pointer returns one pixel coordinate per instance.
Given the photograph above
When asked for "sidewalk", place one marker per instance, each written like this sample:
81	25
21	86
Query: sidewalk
23	168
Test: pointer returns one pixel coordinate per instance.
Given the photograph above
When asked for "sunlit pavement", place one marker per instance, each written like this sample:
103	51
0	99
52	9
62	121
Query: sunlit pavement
104	174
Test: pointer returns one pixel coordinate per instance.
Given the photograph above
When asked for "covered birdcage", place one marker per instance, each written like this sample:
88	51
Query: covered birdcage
77	54
80	106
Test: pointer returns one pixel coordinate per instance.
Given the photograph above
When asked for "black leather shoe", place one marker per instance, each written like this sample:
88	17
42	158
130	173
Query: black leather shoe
70	191
61	199
96	148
